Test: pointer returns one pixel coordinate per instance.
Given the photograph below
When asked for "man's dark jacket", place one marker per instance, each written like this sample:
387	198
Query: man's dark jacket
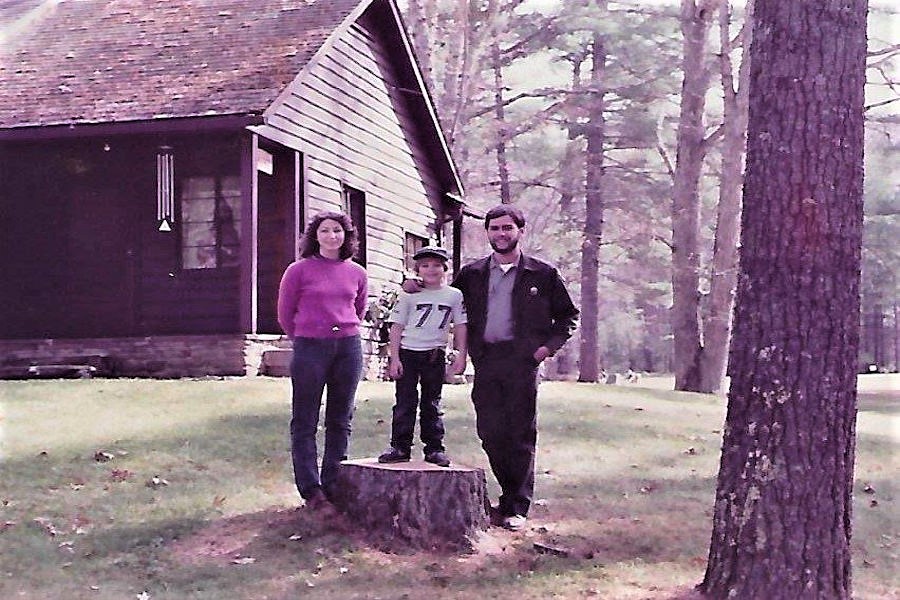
542	311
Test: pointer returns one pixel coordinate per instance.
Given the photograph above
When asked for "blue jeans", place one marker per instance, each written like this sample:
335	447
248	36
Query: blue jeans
335	363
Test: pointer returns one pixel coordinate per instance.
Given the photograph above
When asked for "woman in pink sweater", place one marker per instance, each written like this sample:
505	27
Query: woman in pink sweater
321	302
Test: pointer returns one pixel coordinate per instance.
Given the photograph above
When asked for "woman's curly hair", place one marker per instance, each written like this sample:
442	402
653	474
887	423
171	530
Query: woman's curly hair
309	243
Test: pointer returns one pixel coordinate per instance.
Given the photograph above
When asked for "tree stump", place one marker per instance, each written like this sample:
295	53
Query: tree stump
414	505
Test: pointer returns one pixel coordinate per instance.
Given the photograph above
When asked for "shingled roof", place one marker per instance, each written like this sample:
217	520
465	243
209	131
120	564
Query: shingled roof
95	61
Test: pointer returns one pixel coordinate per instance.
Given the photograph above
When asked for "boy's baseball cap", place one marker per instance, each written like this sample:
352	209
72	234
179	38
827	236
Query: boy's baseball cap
432	252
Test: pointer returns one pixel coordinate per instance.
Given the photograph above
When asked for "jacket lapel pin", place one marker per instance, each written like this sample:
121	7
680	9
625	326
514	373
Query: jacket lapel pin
533	291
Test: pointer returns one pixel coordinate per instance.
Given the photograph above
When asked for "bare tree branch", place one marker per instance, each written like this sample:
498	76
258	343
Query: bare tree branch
886	50
665	158
882	103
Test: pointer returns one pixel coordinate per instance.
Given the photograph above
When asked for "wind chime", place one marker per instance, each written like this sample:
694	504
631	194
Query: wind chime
165	188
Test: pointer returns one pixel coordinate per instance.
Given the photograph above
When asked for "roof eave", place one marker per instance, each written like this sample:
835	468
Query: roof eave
170	125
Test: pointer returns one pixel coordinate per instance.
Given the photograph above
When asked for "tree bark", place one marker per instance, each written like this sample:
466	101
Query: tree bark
589	368
414	505
695	24
782	517
723	278
500	124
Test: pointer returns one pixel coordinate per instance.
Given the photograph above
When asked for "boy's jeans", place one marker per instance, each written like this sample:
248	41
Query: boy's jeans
426	367
335	363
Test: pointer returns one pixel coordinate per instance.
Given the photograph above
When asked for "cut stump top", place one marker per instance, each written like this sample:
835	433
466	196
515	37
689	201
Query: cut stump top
409	465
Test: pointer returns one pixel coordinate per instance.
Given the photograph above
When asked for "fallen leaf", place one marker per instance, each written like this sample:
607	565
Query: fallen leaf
47	525
120	474
868	489
218	501
553	550
295	537
156	482
103	456
691	451
244	560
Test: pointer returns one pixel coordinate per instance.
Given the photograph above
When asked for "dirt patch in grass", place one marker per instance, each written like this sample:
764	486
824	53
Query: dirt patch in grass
258	536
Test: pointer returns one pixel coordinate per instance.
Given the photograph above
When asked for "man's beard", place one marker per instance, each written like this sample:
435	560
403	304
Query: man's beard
509	249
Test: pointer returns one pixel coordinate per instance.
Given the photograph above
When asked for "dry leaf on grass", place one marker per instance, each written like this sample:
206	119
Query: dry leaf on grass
103	456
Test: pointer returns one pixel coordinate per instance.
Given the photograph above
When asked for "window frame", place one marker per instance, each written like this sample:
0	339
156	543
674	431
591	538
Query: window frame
221	259
354	201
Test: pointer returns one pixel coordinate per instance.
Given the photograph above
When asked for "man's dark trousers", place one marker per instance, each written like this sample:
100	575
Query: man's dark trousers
428	368
504	394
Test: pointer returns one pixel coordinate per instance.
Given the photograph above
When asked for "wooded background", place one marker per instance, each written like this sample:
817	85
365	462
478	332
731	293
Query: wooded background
619	127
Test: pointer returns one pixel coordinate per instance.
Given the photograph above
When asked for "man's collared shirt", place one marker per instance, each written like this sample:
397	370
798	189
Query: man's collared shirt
499	324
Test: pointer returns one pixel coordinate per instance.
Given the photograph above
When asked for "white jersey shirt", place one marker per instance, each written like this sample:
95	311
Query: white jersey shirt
426	317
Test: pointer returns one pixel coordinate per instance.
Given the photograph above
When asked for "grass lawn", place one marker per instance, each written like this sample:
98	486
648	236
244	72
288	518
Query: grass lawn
124	489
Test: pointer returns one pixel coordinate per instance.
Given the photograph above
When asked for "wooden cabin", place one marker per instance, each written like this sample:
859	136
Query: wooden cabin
158	161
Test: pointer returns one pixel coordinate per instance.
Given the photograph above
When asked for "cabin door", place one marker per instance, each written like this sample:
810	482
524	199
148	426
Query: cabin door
280	210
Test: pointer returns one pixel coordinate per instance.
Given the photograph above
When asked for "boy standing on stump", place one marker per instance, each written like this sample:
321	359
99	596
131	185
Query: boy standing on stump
420	328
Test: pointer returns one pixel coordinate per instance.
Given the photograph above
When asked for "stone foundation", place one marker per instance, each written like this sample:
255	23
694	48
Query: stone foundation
163	357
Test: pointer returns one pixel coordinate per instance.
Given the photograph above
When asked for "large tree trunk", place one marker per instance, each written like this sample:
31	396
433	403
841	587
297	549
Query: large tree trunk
782	517
589	368
723	276
695	24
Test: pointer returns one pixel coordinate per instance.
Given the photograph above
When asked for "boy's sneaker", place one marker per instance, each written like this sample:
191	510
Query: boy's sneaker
438	458
394	455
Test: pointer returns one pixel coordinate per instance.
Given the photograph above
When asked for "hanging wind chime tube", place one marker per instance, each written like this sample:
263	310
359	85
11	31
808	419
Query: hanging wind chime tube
165	188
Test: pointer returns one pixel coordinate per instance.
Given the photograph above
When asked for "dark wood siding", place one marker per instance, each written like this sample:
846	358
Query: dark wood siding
68	240
80	253
356	128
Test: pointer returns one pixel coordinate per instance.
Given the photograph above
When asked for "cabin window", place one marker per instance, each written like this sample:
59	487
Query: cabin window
355	206
210	222
412	243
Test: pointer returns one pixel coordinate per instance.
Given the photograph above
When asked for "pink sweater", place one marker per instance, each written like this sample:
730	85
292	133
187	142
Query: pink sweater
322	298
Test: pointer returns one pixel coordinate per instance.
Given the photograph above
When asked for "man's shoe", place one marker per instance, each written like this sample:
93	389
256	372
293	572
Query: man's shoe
394	455
514	522
438	458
